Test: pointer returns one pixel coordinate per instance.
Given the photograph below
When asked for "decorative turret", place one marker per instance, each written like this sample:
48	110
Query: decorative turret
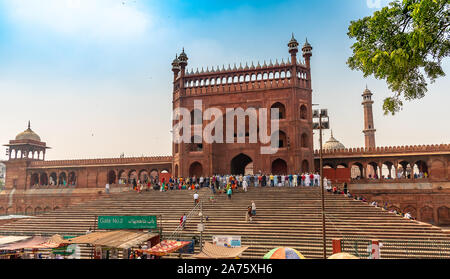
176	67
307	52
27	146
293	49
183	62
183	59
293	44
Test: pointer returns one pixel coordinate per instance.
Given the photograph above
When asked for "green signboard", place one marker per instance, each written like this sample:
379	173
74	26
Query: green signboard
127	222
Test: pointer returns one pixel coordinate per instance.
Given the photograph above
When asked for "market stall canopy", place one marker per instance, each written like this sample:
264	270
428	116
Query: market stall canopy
54	242
166	247
211	251
11	239
26	243
113	239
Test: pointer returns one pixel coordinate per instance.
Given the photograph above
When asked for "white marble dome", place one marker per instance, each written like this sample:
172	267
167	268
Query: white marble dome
333	144
28	134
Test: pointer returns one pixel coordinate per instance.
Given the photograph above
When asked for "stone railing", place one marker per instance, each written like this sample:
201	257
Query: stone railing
383	181
386	150
150	160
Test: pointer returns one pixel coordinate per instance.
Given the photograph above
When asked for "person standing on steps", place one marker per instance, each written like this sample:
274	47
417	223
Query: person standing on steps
107	188
229	193
249	214
253	208
196	198
245	185
183	221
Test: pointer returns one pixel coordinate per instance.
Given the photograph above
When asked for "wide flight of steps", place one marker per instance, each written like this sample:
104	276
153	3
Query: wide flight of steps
286	217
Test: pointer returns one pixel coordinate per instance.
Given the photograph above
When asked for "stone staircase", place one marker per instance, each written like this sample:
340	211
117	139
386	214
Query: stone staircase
285	217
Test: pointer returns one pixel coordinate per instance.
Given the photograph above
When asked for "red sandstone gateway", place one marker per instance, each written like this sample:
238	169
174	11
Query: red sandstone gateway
282	85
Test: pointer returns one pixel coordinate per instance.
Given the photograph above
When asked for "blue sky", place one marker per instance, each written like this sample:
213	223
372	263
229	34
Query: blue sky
94	76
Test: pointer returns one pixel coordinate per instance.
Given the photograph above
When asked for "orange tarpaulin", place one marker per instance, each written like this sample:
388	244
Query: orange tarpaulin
166	247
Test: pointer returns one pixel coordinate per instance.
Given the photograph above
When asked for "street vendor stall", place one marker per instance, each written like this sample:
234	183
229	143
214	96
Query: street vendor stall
112	241
25	244
165	247
7	240
53	242
211	251
20	247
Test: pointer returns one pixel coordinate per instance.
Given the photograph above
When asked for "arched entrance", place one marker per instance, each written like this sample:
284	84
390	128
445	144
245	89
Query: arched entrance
444	215
144	176
44	179
53	178
72	179
112	177
196	170
279	167
305	166
62	180
239	164
34	179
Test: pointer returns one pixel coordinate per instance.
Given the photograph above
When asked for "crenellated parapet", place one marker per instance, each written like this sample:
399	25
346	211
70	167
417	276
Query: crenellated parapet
245	78
106	161
386	150
237	79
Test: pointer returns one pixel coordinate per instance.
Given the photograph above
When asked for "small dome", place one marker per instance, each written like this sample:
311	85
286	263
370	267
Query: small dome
367	91
183	57
176	61
293	44
333	144
28	134
307	48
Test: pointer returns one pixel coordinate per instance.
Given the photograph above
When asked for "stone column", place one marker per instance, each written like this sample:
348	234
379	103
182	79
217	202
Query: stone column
380	167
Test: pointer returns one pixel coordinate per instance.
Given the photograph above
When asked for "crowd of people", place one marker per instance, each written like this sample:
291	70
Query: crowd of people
228	183
219	182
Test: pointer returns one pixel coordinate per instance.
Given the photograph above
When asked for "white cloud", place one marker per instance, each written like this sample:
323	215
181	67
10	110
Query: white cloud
85	19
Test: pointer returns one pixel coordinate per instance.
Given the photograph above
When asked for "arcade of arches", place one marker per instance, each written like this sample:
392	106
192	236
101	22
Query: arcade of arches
417	182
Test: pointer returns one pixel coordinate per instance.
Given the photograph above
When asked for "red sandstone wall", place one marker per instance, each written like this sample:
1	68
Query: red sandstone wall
31	204
431	206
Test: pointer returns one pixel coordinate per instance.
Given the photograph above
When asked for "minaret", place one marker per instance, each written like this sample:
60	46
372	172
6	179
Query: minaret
176	68
293	50
369	128
182	58
307	53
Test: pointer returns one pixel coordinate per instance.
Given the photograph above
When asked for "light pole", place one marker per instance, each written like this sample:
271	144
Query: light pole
201	227
324	123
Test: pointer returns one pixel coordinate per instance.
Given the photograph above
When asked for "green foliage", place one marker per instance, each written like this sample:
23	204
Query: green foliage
403	44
